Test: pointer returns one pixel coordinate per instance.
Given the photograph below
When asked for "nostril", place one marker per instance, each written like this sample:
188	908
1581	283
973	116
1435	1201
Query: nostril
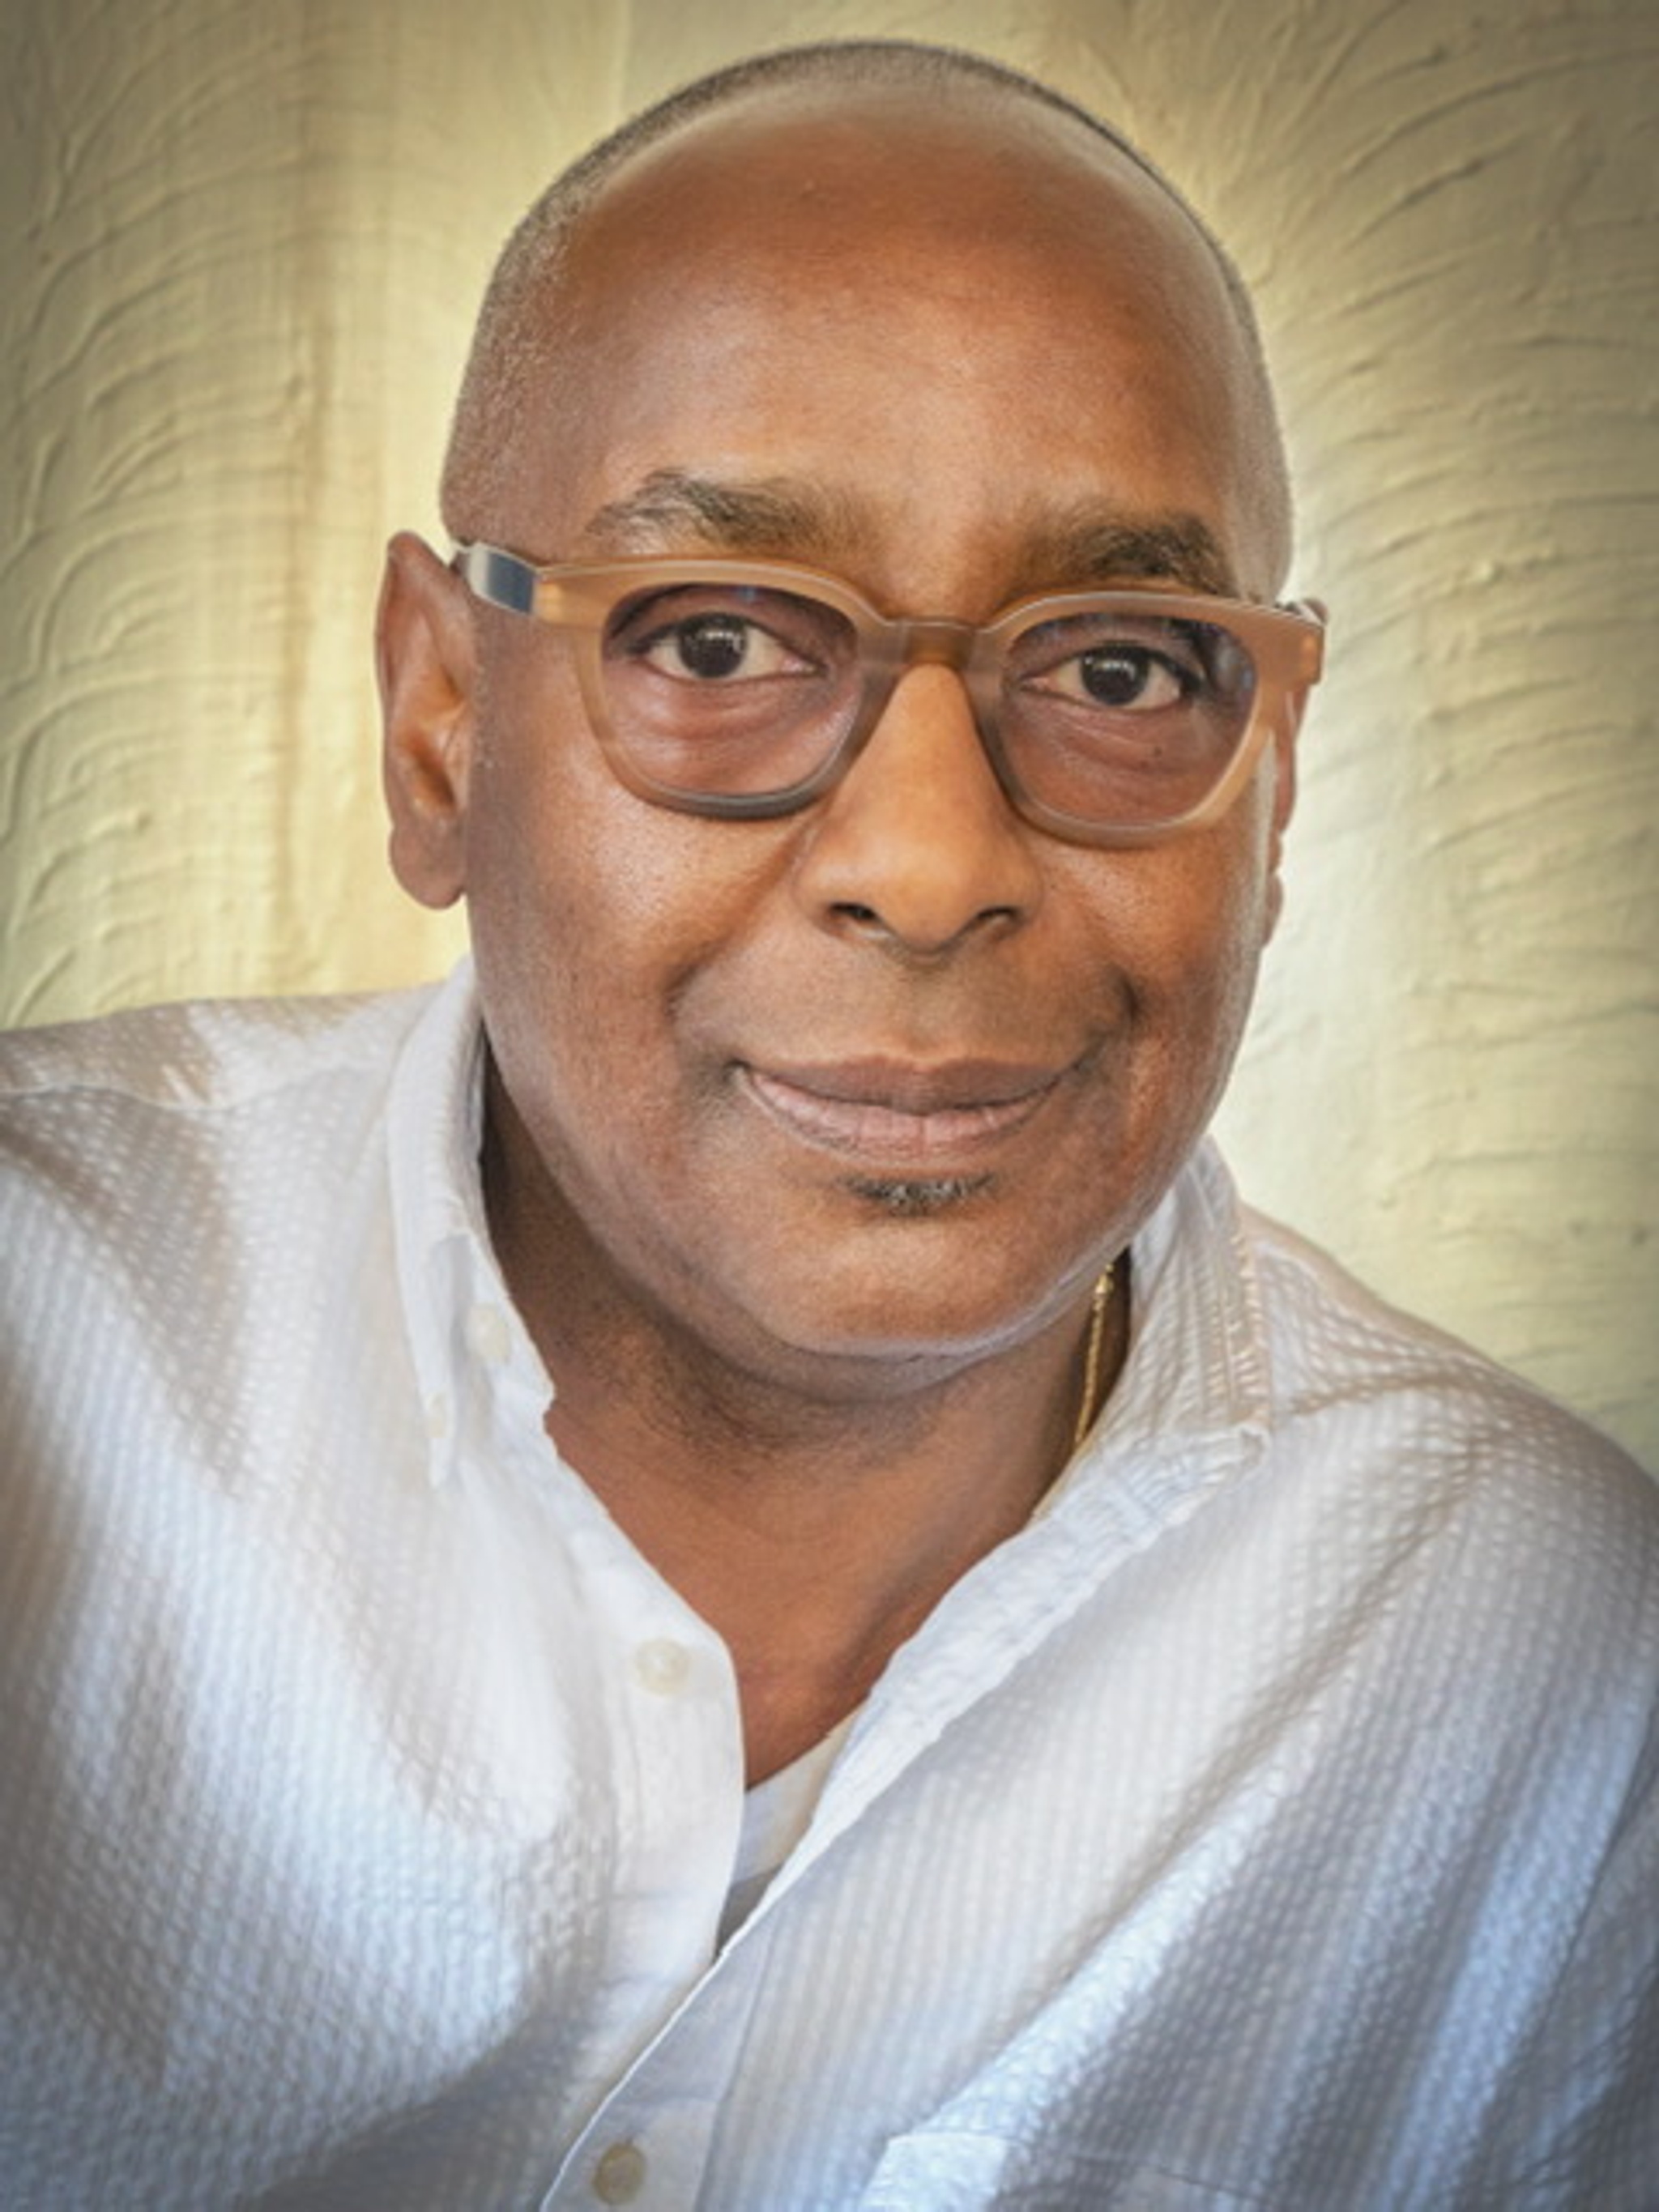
870	923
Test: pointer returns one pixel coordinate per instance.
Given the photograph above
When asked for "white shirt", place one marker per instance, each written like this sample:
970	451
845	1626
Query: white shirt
1272	1823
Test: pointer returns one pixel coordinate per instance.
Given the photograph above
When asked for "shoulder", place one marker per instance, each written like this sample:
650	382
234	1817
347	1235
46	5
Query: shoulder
204	1269
98	1098
1336	1347
1424	1430
134	1146
198	1055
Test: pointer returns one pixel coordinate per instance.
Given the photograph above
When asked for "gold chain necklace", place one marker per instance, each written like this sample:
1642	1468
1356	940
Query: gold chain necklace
1098	1301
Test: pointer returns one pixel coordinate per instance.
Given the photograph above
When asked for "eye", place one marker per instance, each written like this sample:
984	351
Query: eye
1123	677
713	648
702	636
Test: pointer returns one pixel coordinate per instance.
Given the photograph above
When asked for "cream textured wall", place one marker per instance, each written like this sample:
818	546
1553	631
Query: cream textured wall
242	247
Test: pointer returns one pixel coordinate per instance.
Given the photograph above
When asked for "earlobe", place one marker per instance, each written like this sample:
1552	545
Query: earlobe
426	660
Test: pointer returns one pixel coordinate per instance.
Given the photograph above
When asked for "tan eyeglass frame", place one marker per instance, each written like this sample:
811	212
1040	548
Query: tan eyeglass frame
1285	647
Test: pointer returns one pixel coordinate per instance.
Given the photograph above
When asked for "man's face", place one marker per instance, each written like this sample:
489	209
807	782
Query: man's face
884	1081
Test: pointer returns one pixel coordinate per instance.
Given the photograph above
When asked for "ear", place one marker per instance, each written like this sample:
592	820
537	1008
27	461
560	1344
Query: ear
426	659
1282	755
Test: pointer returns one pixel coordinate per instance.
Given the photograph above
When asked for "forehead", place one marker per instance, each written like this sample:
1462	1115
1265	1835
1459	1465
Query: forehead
965	324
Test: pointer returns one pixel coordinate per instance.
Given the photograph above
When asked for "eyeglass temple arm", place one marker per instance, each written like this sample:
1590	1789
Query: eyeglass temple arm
501	578
1311	642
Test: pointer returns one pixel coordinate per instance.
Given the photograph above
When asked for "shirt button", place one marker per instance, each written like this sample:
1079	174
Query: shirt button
662	1666
488	1334
437	1417
620	2174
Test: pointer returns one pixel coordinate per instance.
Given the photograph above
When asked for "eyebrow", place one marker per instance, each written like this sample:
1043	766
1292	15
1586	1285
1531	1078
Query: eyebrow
822	528
1114	546
768	516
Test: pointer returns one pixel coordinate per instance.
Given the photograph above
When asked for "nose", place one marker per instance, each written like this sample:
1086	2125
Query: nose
917	846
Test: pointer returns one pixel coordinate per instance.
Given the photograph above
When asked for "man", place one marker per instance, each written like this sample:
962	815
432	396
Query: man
714	1567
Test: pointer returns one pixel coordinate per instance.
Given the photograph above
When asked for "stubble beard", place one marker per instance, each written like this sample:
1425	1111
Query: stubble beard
915	1198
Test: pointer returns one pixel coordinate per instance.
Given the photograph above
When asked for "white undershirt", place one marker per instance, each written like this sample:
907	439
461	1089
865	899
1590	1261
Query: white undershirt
776	1815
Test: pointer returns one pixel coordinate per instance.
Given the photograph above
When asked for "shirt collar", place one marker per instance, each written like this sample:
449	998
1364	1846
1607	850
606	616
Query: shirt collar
1192	1404
478	1373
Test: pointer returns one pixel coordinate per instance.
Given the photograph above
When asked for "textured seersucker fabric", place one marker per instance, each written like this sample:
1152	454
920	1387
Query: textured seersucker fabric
1274	1823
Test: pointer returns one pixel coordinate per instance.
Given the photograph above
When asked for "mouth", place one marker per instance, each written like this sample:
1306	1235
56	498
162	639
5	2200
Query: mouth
901	1117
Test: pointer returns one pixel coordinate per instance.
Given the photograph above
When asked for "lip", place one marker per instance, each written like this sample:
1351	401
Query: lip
902	1115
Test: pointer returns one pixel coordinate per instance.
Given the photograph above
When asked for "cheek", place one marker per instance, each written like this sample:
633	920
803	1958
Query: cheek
1194	919
590	913
549	904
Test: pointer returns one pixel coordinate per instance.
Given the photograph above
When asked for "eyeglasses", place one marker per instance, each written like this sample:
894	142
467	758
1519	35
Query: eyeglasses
744	688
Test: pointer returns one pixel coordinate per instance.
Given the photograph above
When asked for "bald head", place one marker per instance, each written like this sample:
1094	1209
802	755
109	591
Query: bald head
839	120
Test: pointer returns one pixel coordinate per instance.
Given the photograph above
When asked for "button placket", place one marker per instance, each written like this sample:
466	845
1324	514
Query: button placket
649	2151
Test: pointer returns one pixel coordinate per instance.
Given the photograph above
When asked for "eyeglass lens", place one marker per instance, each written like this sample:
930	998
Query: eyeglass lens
1106	713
